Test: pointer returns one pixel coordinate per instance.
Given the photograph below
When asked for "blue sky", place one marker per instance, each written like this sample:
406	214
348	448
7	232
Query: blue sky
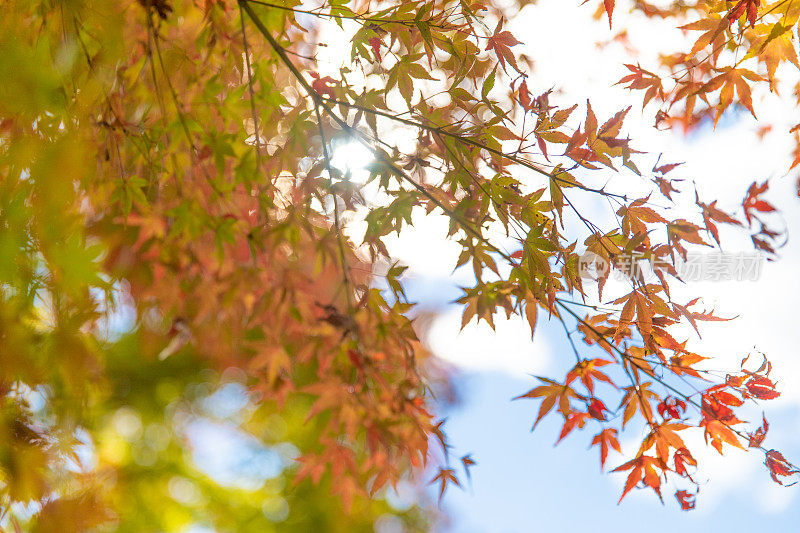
523	483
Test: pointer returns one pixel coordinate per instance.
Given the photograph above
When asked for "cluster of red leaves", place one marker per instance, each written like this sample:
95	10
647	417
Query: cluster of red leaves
701	86
748	7
663	449
766	38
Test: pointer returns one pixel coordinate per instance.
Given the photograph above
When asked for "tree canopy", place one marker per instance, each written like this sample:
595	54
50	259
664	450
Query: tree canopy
179	250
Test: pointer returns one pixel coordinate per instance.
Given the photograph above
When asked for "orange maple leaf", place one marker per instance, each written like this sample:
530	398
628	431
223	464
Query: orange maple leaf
551	393
609	6
643	468
606	438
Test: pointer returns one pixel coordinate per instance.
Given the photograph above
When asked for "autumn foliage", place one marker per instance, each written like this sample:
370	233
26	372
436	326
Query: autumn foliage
173	159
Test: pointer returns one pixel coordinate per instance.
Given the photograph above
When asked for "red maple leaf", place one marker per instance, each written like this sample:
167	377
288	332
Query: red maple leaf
573	420
375	43
779	466
524	96
643	468
686	499
609	5
683	458
323	86
587	371
715	405
762	388
501	42
750	6
752	202
671	407
468	462
760	434
596	408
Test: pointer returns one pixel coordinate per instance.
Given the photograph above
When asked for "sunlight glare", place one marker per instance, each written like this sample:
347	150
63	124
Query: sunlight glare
352	159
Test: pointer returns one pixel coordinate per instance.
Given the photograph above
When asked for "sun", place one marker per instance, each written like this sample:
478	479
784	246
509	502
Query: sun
352	159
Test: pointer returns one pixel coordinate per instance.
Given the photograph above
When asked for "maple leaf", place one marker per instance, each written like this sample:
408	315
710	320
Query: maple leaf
596	409
609	7
644	306
501	42
671	407
714	28
665	186
551	393
312	466
682	457
693	316
718	432
438	432
375	43
323	86
757	438
715	405
712	214
729	80
641	79
772	45
750	7
524	95
467	462
587	371
664	436
778	466
573	420
686	499
643	468
664	169
445	477
752	202
637	398
635	217
606	438
762	388
682	363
